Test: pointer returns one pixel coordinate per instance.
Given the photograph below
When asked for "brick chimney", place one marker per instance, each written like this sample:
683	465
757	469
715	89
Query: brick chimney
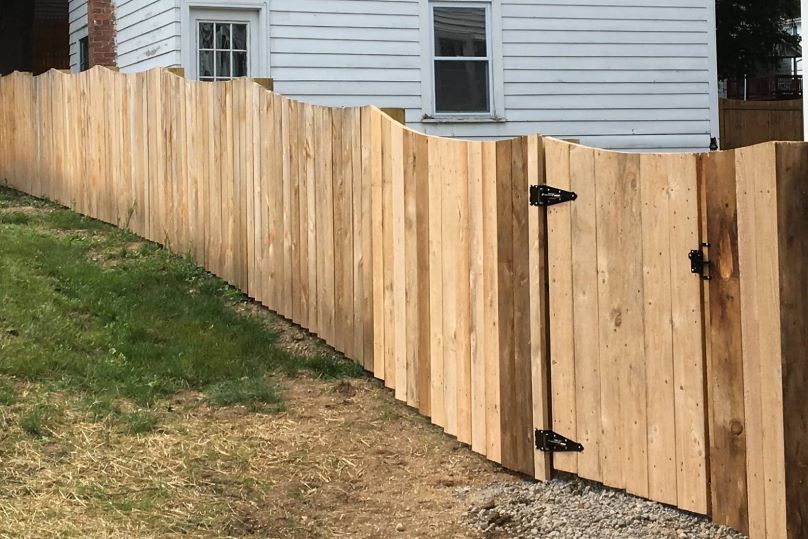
101	32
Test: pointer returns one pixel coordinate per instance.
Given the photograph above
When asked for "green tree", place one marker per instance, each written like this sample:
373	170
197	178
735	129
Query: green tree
751	34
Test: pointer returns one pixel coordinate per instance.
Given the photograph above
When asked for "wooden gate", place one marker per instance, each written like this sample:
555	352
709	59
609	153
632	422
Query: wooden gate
627	368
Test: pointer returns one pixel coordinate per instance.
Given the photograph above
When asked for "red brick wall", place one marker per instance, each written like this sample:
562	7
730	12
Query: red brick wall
101	32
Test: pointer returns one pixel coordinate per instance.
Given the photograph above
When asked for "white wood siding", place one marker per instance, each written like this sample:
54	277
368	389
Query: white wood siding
620	74
77	20
148	34
347	52
628	74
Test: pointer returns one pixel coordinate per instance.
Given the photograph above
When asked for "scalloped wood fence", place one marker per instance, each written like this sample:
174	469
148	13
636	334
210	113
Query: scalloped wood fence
421	259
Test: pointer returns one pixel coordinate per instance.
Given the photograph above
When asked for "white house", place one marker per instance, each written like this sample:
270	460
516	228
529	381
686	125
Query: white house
621	74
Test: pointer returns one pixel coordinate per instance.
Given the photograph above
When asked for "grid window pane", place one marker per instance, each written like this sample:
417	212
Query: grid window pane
239	64
461	86
222	36
222	51
223	64
460	32
206	35
206	64
240	37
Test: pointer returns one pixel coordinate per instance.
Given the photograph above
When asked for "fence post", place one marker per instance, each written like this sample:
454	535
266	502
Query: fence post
267	83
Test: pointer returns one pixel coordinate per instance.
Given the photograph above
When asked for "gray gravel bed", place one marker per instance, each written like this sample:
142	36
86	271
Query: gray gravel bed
572	508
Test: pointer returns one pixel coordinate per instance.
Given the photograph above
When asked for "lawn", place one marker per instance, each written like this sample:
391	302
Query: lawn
141	396
93	309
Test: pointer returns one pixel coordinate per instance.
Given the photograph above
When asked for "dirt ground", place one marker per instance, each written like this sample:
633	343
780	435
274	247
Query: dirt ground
344	459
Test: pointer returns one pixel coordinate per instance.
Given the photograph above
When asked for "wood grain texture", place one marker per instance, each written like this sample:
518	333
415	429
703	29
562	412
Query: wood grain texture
792	195
657	258
585	309
727	415
539	309
562	321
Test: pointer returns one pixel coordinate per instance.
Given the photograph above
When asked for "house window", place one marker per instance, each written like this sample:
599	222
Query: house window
84	54
462	59
222	50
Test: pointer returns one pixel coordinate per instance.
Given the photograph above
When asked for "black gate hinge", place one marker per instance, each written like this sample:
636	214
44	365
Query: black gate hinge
549	441
699	262
545	195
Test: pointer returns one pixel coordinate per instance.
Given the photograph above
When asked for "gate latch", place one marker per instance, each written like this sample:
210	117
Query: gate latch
549	441
699	263
545	195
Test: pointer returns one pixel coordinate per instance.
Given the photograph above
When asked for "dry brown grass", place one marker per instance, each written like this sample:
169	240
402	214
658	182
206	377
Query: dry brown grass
345	460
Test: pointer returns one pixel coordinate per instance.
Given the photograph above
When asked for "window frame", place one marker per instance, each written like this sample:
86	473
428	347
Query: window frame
84	53
489	58
198	49
255	12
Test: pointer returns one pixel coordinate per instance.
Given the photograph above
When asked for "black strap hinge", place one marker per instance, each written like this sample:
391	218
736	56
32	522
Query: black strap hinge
545	195
549	441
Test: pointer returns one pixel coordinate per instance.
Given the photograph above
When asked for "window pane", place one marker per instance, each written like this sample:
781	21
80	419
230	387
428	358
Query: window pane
240	64
222	36
205	63
461	86
240	37
206	35
223	64
460	32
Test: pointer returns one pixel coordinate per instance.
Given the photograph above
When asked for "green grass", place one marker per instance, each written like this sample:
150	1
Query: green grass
8	394
142	328
140	422
39	420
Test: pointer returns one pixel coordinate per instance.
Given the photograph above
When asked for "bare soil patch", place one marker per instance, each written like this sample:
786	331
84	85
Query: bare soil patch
343	460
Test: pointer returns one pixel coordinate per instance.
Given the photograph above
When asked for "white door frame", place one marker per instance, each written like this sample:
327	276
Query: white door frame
256	12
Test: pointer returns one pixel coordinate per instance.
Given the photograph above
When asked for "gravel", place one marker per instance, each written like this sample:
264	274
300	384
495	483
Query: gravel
576	509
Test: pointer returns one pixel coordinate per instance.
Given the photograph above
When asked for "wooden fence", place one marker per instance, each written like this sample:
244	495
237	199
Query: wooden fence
420	258
744	123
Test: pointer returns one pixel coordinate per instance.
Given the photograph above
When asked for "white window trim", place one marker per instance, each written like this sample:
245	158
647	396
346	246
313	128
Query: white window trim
188	31
496	71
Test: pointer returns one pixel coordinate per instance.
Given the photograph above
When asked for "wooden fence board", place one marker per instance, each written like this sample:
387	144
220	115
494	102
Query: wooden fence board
505	254
399	313
411	273
451	254
390	370
539	315
657	286
522	420
372	148
476	298
424	207
562	323
585	309
437	404
309	149
462	340
725	384
688	349
792	195
491	300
